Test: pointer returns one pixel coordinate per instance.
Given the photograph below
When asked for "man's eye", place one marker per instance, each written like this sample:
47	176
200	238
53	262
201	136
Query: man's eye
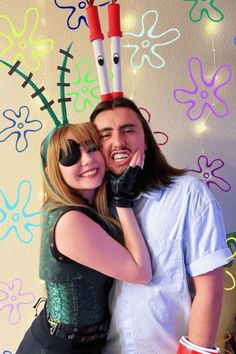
104	136
92	148
128	130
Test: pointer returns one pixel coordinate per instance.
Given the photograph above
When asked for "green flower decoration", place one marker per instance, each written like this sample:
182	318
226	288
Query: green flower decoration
86	91
20	45
205	6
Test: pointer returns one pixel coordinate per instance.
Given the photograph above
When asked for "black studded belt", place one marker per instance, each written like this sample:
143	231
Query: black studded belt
73	333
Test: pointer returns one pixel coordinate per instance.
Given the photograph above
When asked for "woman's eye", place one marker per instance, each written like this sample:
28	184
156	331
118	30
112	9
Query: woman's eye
92	148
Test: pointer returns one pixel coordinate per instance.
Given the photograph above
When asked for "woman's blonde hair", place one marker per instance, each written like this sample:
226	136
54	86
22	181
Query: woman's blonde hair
56	192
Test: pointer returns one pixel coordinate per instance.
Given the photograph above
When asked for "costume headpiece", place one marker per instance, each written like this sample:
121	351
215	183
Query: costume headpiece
96	37
38	92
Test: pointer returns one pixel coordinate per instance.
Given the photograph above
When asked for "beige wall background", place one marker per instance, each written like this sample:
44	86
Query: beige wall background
174	52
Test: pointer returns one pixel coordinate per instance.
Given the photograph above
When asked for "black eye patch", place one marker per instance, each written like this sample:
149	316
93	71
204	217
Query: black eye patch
73	156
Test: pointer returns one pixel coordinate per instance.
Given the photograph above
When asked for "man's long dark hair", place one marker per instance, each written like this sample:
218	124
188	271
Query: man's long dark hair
157	171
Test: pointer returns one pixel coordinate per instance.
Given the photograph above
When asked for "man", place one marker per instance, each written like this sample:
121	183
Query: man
183	227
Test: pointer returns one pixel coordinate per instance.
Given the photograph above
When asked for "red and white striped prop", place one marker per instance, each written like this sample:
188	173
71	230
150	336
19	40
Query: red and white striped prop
186	347
97	37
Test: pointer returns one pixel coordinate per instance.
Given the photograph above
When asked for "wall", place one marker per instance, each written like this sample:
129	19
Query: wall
178	65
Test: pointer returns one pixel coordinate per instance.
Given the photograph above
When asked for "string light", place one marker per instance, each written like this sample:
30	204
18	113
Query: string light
128	21
212	28
200	127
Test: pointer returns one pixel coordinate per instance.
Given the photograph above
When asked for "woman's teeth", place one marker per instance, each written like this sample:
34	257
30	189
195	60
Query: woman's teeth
89	173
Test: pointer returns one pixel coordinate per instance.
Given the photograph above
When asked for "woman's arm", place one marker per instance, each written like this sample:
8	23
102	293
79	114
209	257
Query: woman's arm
81	239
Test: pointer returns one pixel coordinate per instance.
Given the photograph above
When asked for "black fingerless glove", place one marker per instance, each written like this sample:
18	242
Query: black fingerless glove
123	188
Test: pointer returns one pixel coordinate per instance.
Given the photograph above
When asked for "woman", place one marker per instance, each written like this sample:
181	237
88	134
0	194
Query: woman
81	246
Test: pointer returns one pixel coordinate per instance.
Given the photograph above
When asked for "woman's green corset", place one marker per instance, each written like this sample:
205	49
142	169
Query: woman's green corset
76	294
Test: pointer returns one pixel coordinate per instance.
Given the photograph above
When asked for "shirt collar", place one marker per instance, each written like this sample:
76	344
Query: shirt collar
153	194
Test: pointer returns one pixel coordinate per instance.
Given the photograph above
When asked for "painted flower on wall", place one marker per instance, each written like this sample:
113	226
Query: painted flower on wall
77	13
86	93
209	173
161	137
21	45
19	126
205	94
205	6
13	298
14	217
145	44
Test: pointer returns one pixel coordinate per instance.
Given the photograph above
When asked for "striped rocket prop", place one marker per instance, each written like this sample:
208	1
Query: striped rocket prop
97	37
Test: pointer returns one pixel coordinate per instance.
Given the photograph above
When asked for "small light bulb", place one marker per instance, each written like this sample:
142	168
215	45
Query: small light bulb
200	127
128	22
212	28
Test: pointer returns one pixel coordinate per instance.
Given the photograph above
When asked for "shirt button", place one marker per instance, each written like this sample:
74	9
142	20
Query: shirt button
71	336
75	330
51	244
61	258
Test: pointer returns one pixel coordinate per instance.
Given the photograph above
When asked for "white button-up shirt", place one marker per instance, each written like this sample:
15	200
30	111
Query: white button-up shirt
184	230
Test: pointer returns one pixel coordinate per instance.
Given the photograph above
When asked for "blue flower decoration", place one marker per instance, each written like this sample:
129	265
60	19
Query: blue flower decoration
75	19
19	125
14	218
145	44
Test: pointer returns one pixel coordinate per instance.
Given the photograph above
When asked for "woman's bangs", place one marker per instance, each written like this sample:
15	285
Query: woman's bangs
86	135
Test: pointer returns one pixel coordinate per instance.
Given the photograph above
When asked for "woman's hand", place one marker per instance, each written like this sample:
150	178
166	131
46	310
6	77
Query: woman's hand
123	188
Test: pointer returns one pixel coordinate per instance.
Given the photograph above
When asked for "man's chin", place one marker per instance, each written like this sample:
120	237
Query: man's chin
117	170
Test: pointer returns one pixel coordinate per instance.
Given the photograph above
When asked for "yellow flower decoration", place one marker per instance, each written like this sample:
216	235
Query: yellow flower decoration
21	45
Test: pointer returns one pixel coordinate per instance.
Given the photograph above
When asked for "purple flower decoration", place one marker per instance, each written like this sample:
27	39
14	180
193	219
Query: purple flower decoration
75	18
13	298
19	125
209	172
204	94
14	218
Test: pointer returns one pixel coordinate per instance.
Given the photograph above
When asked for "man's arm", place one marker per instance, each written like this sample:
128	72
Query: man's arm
206	307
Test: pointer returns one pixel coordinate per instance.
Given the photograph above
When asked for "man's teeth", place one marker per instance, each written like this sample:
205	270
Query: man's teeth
89	173
121	156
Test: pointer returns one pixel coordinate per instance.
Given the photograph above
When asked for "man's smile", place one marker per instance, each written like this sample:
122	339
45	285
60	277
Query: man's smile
120	156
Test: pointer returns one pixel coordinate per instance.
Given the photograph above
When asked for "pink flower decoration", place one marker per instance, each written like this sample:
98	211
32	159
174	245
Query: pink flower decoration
12	297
